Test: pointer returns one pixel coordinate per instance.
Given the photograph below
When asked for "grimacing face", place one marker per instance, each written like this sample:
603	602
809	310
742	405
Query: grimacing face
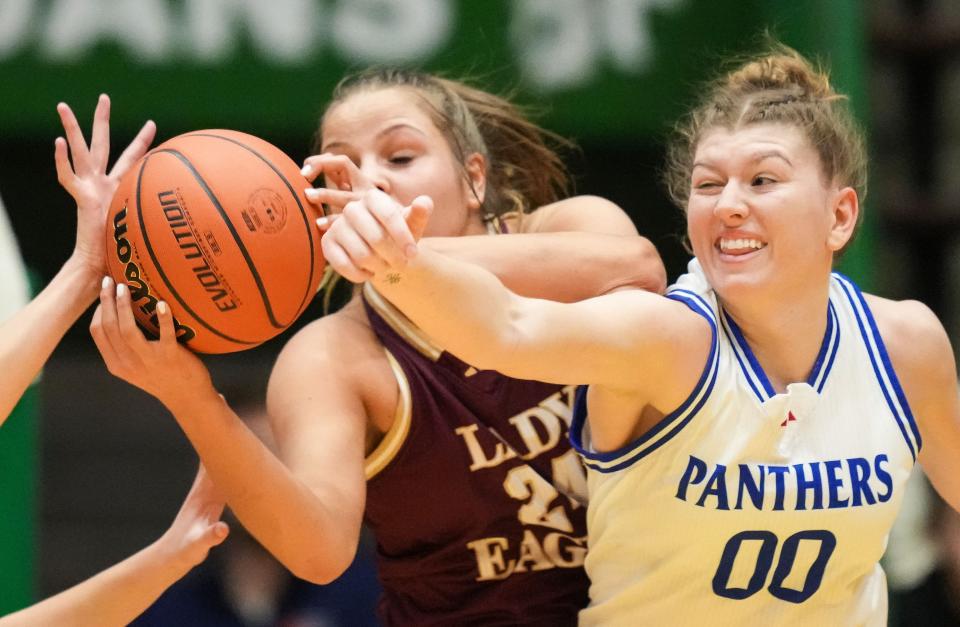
760	216
399	149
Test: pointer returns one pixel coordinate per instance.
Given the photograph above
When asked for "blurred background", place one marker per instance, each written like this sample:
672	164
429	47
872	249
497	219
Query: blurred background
91	469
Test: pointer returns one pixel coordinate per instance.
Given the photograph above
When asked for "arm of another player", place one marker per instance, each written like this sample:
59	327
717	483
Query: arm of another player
613	340
924	361
567	251
310	523
122	592
28	338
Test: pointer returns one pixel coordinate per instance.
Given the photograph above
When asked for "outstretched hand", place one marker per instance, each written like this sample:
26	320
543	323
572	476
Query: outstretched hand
197	527
374	235
162	367
84	175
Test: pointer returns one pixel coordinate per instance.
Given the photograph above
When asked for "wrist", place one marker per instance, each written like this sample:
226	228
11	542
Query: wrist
169	556
83	278
193	401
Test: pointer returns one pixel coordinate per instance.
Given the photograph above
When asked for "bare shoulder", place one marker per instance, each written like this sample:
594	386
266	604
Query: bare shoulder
919	349
579	213
335	359
911	332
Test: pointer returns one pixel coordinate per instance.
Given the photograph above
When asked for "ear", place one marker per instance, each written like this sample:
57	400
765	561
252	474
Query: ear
845	212
475	187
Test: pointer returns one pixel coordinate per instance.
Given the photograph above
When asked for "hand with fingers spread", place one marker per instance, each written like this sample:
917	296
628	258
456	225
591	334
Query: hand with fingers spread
29	336
344	182
374	235
84	175
162	367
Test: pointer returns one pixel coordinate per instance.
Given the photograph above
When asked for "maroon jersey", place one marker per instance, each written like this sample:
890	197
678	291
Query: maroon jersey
474	495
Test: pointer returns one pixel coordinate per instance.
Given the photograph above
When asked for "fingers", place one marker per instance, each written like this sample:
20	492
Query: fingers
418	215
340	261
168	332
387	246
217	533
390	215
137	148
130	333
78	146
333	198
100	135
105	331
103	344
339	172
65	174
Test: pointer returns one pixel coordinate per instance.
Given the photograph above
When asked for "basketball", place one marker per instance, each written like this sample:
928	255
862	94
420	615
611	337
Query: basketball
215	223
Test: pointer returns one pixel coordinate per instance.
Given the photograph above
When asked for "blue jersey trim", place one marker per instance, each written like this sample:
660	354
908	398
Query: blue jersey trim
828	351
753	371
671	424
876	349
749	365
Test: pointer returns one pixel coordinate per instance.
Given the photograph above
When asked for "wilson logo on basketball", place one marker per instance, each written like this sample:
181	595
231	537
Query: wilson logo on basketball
139	288
220	230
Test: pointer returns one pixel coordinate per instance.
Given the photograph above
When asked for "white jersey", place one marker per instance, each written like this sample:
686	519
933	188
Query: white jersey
748	507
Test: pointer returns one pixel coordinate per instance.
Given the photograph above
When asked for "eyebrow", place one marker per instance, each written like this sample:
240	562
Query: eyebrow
756	157
390	129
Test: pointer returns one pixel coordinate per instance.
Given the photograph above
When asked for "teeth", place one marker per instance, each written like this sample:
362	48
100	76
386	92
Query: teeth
738	244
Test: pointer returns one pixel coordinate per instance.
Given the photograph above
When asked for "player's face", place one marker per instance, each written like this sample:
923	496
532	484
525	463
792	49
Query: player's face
760	213
399	149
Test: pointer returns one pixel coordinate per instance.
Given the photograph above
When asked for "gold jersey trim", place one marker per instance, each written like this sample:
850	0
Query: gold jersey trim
401	324
397	434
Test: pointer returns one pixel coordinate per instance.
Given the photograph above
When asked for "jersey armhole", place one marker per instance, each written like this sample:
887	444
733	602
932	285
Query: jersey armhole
670	425
394	438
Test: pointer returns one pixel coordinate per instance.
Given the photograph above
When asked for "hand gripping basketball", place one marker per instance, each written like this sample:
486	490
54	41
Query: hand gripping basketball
215	223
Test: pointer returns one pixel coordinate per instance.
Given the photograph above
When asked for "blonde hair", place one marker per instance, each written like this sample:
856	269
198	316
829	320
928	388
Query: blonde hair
524	169
780	86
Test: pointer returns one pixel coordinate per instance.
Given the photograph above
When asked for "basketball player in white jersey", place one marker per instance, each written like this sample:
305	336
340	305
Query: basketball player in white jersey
120	593
749	435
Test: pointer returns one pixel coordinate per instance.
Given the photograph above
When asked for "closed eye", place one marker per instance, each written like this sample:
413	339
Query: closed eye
400	159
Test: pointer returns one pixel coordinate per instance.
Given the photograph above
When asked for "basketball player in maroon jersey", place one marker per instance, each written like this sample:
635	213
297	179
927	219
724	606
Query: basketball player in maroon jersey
120	593
466	478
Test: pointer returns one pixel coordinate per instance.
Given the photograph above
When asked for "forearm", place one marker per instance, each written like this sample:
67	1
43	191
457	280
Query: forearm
461	306
29	337
570	266
302	527
113	597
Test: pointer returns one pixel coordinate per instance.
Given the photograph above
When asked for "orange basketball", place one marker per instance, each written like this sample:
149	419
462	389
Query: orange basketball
215	223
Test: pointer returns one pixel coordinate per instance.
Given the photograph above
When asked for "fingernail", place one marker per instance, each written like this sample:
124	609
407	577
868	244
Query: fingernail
306	170
161	308
121	290
311	192
106	282
323	222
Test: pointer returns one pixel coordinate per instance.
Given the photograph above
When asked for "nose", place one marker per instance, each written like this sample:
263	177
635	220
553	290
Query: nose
731	205
375	175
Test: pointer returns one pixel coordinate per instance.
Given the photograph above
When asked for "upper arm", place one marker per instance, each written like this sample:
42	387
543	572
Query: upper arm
586	214
632	340
924	361
319	420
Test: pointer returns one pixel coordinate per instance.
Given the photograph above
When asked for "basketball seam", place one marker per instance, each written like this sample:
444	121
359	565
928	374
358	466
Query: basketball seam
306	222
156	262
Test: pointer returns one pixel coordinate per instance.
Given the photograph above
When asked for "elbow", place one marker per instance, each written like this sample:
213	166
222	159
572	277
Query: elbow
323	569
641	268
